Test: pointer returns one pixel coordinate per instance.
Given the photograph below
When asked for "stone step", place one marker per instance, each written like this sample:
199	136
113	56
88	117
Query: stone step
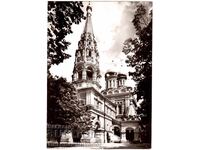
65	144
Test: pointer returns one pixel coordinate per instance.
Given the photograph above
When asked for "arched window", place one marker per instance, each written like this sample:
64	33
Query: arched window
110	92
123	90
90	54
79	75
116	91
120	109
104	93
89	73
79	70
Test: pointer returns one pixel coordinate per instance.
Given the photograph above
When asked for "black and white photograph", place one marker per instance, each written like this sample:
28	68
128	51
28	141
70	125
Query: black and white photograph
99	74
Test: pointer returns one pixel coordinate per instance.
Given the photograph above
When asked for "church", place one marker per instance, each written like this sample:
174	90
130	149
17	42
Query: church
113	110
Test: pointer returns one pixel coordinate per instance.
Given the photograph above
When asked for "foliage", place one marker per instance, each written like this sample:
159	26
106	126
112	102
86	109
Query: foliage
63	106
61	15
139	57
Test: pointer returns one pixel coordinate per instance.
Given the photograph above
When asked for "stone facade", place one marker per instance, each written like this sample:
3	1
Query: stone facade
108	107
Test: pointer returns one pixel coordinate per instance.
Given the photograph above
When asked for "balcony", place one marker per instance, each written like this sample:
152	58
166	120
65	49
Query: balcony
88	84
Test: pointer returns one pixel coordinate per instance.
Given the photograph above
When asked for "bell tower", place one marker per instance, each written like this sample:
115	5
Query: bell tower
86	71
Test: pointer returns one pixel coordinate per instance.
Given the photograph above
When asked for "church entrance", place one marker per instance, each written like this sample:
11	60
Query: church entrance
130	134
117	131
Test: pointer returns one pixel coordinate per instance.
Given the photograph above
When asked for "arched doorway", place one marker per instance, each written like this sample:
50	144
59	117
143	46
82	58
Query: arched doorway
117	131
79	72
80	75
129	134
76	135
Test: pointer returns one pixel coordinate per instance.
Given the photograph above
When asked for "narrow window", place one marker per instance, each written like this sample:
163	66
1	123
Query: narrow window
80	75
90	54
120	109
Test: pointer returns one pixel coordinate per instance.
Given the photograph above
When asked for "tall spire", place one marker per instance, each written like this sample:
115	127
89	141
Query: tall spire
86	65
88	23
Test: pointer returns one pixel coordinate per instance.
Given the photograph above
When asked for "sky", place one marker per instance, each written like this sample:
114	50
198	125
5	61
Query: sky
112	26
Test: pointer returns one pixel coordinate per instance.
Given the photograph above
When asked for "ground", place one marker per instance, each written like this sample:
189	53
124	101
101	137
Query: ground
101	146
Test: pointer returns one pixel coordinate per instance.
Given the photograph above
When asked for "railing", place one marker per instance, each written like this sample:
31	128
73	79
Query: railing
85	85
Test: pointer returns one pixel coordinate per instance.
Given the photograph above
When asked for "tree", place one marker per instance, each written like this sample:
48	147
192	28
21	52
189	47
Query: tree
61	15
63	107
139	57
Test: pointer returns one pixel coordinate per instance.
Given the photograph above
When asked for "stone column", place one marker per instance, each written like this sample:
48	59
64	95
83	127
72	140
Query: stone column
123	108
94	76
106	84
92	136
117	110
136	134
84	74
123	137
75	76
89	97
84	53
128	101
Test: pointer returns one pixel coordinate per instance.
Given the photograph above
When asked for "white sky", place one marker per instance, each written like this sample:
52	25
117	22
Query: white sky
112	26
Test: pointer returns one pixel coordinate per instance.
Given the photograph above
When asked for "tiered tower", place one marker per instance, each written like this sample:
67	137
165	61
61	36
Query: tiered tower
108	108
85	77
86	71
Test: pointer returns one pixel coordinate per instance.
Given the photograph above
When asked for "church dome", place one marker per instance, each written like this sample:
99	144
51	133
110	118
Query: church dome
121	76
110	74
